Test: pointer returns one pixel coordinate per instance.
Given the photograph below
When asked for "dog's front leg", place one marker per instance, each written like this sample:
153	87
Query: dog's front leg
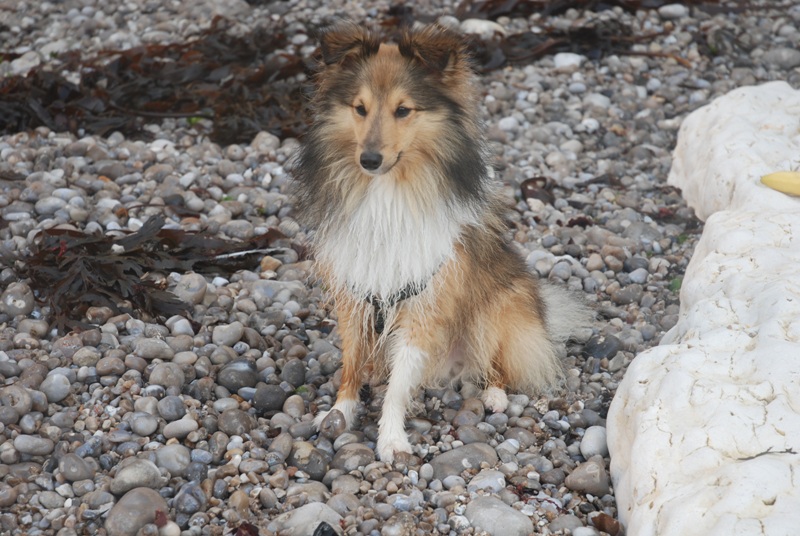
356	346
407	363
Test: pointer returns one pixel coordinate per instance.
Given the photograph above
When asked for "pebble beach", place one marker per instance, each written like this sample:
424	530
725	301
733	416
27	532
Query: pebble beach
196	426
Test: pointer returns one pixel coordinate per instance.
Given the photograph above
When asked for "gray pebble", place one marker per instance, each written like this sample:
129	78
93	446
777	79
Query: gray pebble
191	288
136	474
454	461
174	458
310	459
237	374
75	468
589	477
168	375
134	510
236	422
56	387
153	349
228	335
33	445
352	456
594	442
17	299
294	372
269	397
171	408
497	518
783	57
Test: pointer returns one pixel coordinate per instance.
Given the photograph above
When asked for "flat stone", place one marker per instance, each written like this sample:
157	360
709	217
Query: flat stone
310	459
174	458
75	468
134	510
137	473
471	456
352	456
33	445
589	477
304	521
488	480
492	515
153	349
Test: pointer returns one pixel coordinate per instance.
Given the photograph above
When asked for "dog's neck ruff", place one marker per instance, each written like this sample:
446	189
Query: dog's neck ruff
394	239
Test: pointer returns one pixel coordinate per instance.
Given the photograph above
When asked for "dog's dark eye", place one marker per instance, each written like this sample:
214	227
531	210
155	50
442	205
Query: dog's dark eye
402	111
360	110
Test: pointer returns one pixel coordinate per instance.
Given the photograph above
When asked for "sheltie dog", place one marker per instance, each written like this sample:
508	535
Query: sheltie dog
410	240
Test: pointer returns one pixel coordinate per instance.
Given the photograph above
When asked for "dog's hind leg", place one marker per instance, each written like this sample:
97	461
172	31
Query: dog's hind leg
356	348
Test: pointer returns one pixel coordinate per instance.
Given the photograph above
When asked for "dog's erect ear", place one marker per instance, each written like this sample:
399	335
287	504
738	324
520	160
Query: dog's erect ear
435	47
346	40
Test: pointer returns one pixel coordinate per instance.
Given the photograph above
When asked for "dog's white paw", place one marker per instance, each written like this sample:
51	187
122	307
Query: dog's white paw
495	399
347	409
391	444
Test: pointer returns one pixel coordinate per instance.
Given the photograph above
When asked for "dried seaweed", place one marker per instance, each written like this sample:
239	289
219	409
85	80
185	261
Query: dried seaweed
492	9
244	83
71	271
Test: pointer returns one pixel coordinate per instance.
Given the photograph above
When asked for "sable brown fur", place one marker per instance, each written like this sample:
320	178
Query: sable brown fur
393	176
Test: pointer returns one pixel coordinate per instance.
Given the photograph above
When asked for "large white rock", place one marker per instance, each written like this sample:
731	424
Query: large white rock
704	431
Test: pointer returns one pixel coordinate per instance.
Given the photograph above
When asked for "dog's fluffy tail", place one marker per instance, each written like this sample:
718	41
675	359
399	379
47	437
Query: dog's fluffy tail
567	312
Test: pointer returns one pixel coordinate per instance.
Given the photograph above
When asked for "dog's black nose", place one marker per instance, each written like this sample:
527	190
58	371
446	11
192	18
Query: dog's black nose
371	161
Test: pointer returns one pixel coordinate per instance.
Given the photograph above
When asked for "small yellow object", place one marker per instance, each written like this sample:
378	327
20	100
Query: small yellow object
787	182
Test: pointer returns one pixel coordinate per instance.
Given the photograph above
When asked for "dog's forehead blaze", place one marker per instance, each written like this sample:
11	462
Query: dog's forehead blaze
385	77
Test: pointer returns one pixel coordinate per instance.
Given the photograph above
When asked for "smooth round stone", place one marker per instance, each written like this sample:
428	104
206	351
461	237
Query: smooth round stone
33	445
453	462
488	480
171	408
86	357
237	374
589	477
224	404
352	456
153	349
345	484
8	415
333	425
594	442
465	417
55	387
51	499
174	458
8	495
603	346
16	300
227	335
167	375
18	398
75	468
134	510
235	422
110	366
181	428
143	424
137	473
294	372
310	459
191	288
269	397
190	499
471	434
294	406
490	514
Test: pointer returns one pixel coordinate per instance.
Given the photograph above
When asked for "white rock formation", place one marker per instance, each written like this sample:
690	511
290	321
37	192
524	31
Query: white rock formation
704	431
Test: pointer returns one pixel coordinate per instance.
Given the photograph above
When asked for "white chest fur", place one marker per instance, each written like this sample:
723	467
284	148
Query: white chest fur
394	237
